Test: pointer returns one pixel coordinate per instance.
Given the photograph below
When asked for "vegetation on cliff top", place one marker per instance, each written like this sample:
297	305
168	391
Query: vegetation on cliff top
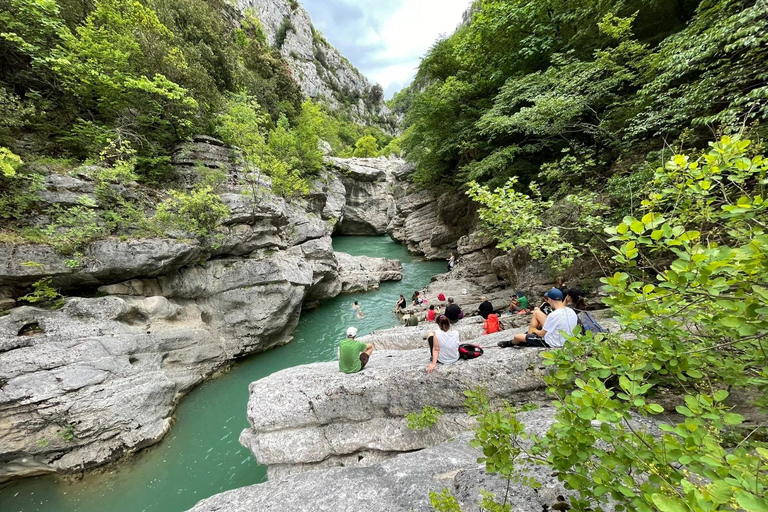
119	84
574	95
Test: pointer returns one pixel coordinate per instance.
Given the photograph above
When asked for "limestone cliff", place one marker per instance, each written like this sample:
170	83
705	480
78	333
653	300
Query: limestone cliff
319	69
99	373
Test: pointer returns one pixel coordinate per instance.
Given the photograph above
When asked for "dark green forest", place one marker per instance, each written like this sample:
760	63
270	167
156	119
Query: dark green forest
584	94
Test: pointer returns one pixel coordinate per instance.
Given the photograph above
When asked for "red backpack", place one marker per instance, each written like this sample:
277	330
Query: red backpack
469	351
491	325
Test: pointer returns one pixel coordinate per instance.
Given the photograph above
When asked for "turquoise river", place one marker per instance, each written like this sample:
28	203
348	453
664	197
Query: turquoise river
202	456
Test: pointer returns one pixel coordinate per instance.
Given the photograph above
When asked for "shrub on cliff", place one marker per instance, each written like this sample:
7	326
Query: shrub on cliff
699	332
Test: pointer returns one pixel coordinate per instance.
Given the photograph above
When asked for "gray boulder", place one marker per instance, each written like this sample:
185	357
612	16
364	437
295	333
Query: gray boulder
104	261
321	413
98	378
363	273
400	484
369	200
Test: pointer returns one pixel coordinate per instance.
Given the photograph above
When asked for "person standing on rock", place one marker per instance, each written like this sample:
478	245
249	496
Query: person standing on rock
446	350
353	354
451	262
560	320
453	311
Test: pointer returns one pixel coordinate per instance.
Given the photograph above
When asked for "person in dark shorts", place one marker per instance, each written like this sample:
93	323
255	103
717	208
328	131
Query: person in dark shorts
453	311
353	355
560	320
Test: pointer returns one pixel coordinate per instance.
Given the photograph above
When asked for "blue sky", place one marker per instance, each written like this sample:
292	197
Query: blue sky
385	40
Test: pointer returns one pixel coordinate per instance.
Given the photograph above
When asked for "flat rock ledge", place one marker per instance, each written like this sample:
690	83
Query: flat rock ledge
400	484
321	417
363	273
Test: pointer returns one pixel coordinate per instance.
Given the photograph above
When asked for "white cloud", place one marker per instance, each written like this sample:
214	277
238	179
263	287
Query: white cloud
387	42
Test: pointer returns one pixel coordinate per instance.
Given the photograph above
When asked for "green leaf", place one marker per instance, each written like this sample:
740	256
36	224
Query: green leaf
654	408
720	395
750	502
733	419
668	503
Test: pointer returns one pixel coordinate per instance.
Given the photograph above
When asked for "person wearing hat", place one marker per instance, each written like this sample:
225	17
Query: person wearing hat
560	320
518	304
353	355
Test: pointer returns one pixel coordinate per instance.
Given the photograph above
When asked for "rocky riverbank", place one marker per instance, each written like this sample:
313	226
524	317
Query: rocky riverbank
341	442
398	484
98	373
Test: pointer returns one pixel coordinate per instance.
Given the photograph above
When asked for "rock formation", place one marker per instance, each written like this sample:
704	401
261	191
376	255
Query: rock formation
319	69
88	379
323	418
399	484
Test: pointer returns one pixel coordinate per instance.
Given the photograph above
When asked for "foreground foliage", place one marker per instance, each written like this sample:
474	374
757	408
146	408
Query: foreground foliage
691	299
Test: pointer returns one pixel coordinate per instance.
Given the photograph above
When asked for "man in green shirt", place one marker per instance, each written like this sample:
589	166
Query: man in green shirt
353	355
518	303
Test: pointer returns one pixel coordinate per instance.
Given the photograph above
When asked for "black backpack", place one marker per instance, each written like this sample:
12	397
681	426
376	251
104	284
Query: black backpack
469	351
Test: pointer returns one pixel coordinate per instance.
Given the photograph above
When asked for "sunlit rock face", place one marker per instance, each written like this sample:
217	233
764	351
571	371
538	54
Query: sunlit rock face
320	70
323	417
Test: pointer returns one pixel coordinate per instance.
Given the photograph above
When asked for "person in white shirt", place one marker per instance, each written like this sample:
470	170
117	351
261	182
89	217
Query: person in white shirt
559	324
446	350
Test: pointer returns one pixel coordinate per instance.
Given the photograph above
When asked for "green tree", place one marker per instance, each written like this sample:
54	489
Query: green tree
366	147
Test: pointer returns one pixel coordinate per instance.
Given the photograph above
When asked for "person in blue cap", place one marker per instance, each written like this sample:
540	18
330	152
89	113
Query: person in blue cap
558	325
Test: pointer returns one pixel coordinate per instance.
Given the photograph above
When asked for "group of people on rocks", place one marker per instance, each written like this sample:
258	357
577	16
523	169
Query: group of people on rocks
550	325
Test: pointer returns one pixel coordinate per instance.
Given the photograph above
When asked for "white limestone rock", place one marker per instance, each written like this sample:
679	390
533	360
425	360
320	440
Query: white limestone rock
321	413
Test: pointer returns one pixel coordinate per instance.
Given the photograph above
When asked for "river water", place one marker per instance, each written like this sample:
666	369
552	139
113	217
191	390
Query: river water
202	456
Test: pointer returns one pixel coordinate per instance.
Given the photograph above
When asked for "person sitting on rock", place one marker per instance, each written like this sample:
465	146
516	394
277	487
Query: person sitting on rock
518	304
411	320
453	311
431	314
574	299
416	298
560	320
492	324
353	355
400	304
446	350
485	308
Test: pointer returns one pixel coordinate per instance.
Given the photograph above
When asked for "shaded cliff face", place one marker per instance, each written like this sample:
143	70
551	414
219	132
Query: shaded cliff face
320	70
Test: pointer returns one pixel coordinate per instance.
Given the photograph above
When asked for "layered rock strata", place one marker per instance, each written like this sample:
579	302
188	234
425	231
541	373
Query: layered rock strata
399	484
99	377
322	417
